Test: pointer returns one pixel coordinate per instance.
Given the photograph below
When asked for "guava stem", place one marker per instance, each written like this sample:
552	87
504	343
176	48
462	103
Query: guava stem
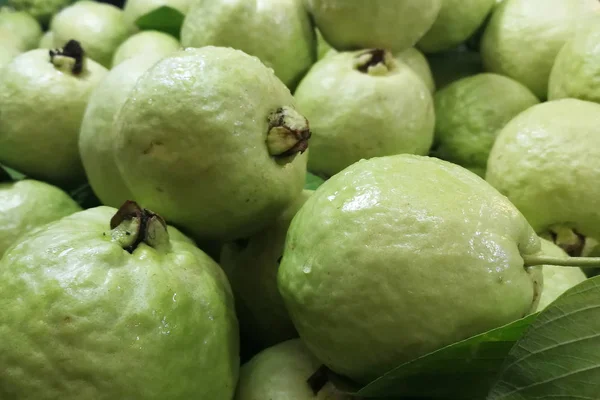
73	52
581	262
288	134
133	225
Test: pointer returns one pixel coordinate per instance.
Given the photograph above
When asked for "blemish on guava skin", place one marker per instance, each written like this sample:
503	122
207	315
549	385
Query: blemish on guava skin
67	320
151	146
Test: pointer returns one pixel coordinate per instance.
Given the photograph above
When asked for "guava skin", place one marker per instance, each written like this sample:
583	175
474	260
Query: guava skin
394	25
278	32
191	143
28	204
82	318
432	252
152	43
42	106
22	25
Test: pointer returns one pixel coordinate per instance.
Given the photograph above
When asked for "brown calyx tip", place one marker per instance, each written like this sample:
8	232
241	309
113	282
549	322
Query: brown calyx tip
371	58
144	231
319	379
288	134
72	50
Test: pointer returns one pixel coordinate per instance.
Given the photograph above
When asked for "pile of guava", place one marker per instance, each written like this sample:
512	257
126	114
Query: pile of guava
299	199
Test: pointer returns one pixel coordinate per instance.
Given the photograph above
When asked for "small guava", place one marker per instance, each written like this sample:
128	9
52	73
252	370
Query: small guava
398	256
524	37
43	95
42	10
576	70
364	104
278	32
117	309
455	23
557	280
452	65
211	139
547	162
153	43
135	9
471	112
28	204
99	27
394	25
251	265
97	135
284	372
10	47
46	41
417	61
22	25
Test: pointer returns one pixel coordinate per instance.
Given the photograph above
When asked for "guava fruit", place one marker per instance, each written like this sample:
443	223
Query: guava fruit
322	46
21	25
364	104
394	25
251	265
576	70
398	256
283	372
452	65
557	280
96	136
135	9
104	304
46	41
10	47
455	23
29	204
469	114
524	37
146	43
42	10
278	32
99	27
211	139
547	162
416	61
42	101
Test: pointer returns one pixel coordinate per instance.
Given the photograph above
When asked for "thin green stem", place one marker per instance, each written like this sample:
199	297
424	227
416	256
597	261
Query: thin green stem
581	262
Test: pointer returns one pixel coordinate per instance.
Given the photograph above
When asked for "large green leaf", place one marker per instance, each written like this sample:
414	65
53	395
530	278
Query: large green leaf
559	356
464	370
165	19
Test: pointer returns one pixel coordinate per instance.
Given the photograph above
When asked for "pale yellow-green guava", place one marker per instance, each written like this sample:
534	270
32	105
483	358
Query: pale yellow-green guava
150	43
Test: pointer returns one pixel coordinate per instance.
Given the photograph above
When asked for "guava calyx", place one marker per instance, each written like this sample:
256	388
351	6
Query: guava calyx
71	56
288	134
571	241
376	62
133	225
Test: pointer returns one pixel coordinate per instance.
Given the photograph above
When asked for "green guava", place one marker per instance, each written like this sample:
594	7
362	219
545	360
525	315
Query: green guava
210	138
452	65
455	23
364	104
42	10
251	265
283	372
394	25
42	101
28	204
22	25
96	136
416	61
105	304
46	41
278	32
322	46
135	9
10	47
557	280
576	70
99	27
146	43
382	263
470	113
524	37
547	162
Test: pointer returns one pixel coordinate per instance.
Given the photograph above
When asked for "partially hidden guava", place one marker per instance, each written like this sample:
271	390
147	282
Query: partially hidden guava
278	32
399	256
43	95
10	47
28	204
364	104
99	27
42	10
283	372
417	61
251	265
104	304
394	25
22	25
97	136
46	41
151	43
211	139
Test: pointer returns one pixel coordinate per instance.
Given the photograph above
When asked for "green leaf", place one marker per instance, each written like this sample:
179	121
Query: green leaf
461	371
85	197
165	19
14	175
559	356
313	181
